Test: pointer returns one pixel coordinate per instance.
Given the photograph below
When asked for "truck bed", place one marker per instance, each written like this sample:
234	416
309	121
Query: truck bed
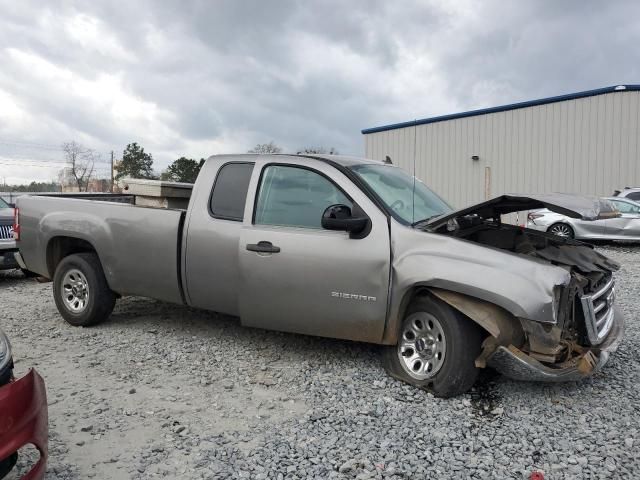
139	247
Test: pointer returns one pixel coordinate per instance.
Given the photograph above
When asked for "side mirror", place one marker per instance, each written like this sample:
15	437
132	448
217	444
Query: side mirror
340	217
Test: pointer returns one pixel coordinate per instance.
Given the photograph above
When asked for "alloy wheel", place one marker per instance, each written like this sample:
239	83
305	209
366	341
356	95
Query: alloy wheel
75	291
561	230
422	346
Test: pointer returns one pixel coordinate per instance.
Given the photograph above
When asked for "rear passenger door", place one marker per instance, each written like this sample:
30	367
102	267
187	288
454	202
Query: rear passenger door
312	281
212	269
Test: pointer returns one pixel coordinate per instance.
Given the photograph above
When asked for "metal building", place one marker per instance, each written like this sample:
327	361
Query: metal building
585	143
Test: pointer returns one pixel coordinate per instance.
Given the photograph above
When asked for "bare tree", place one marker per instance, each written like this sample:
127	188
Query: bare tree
81	162
317	150
266	148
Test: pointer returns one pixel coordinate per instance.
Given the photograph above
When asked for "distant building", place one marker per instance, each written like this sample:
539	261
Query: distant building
585	143
100	185
67	181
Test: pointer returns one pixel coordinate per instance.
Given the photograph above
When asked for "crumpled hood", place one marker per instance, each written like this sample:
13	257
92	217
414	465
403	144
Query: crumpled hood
574	206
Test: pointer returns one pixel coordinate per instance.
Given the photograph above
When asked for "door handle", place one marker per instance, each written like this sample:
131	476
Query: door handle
263	247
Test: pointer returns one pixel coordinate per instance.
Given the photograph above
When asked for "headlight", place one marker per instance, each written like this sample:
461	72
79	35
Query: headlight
5	351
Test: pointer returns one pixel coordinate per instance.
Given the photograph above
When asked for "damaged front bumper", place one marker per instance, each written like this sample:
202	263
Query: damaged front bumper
514	363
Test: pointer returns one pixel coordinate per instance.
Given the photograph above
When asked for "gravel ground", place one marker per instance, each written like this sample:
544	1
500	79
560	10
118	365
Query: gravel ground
167	391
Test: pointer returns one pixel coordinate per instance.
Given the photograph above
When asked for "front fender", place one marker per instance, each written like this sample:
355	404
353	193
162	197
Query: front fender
524	287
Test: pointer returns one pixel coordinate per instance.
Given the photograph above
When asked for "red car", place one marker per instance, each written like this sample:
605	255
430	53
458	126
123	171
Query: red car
23	415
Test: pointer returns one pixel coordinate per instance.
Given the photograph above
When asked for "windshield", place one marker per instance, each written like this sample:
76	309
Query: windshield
3	204
395	188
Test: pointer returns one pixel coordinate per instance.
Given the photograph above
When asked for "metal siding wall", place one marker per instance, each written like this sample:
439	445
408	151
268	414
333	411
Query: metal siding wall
585	146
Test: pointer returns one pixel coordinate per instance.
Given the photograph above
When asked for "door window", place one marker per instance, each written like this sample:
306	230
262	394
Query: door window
229	193
634	196
625	207
295	197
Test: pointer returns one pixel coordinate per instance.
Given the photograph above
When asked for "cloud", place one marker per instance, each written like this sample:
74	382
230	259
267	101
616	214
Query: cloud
196	78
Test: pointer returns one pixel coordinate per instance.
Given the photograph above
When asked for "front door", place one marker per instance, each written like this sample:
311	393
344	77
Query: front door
627	225
298	277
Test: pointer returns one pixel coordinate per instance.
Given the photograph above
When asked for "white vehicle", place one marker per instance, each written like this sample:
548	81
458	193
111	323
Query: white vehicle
624	227
630	193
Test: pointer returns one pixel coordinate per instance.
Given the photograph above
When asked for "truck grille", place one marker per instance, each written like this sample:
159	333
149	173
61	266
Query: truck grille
6	232
598	312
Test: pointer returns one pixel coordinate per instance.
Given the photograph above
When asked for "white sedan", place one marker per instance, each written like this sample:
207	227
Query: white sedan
624	227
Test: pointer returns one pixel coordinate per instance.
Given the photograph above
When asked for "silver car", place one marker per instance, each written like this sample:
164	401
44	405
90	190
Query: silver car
624	227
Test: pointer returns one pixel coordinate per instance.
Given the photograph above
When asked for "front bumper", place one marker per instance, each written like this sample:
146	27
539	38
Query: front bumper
515	364
24	420
20	260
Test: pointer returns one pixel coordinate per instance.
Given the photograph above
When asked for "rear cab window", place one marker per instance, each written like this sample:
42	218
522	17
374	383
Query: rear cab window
229	193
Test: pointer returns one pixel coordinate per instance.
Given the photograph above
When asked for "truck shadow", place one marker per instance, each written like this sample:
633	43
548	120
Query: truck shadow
12	277
144	315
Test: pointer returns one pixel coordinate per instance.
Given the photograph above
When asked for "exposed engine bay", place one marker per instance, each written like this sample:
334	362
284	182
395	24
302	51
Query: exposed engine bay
579	256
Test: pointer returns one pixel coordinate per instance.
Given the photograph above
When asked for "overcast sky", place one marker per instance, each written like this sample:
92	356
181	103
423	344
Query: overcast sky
196	78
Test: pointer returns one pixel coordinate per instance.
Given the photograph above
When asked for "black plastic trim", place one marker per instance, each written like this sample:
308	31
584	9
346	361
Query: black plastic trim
181	223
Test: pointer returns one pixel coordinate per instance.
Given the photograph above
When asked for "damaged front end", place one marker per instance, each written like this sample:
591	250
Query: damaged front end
586	326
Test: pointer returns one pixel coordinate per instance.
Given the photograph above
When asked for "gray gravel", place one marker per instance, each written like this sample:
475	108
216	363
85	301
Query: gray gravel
167	391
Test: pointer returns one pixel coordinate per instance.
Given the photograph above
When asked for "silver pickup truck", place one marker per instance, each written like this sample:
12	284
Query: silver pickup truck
342	247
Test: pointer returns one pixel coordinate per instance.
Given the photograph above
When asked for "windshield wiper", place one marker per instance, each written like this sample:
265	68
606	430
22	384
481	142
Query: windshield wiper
426	220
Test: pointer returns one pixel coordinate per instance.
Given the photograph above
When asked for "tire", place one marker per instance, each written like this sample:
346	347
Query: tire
451	374
561	230
81	292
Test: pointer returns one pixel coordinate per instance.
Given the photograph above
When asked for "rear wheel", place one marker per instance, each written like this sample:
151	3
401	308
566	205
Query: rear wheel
436	350
80	290
561	230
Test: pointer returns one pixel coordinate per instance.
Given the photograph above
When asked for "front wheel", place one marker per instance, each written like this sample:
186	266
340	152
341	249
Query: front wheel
81	291
436	350
561	230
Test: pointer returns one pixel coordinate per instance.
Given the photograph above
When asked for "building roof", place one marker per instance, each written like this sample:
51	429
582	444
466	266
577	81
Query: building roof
504	108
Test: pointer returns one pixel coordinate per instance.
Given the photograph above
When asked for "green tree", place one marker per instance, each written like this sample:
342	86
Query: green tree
135	163
32	187
183	170
266	148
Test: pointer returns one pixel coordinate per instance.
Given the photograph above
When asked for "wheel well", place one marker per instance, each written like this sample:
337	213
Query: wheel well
61	247
492	319
409	297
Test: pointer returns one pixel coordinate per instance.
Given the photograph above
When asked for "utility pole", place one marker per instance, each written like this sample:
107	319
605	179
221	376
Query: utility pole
111	171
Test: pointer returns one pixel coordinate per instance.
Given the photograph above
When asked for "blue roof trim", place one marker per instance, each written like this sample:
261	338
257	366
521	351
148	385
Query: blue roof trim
504	108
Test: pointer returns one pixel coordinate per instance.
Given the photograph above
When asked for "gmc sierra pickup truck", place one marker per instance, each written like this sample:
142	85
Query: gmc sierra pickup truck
348	248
